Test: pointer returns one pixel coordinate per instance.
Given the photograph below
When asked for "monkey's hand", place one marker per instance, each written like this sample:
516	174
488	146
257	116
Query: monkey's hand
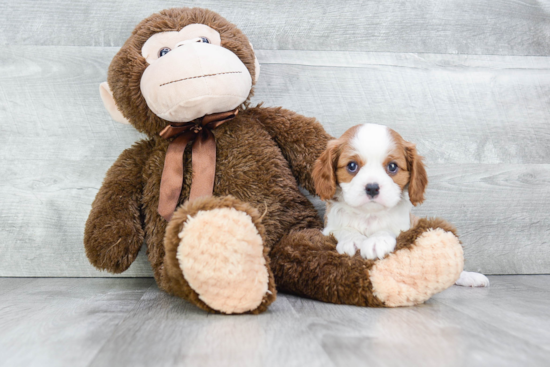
114	233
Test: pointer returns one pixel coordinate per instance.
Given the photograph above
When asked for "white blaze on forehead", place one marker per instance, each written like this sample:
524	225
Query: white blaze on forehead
373	143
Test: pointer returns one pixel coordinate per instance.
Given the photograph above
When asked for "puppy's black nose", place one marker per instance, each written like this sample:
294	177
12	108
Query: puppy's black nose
373	190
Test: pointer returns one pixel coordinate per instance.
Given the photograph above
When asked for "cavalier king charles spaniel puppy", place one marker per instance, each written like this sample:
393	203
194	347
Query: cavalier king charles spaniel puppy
371	178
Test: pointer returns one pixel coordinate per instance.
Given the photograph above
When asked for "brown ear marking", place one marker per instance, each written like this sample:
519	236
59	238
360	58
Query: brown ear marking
418	177
324	171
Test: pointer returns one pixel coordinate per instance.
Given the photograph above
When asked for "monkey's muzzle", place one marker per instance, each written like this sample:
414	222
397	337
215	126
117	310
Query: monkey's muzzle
194	80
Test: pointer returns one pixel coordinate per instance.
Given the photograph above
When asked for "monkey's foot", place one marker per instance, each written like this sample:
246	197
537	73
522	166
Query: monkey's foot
427	265
221	255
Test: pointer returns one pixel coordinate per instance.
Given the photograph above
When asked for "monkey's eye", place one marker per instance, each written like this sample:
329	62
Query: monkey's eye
352	167
392	167
163	51
204	40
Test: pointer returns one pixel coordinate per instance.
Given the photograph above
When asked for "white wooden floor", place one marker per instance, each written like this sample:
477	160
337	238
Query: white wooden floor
130	322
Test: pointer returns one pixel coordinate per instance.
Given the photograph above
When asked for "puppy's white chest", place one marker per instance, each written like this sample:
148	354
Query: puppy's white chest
391	221
371	224
373	234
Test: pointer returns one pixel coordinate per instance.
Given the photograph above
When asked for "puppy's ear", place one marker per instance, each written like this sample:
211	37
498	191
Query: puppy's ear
324	171
419	178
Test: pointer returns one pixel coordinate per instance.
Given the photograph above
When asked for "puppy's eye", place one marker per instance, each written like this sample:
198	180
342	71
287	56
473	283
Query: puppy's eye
352	167
392	167
163	51
204	40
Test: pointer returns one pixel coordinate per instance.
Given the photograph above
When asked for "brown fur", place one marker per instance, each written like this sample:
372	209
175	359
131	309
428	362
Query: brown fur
328	276
419	178
398	156
116	212
263	155
323	274
416	176
347	156
250	166
330	169
324	172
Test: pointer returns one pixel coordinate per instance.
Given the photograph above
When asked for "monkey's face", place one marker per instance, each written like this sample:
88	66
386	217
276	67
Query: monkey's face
190	75
179	65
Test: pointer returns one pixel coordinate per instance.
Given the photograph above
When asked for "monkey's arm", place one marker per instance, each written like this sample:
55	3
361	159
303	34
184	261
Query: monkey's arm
114	233
301	140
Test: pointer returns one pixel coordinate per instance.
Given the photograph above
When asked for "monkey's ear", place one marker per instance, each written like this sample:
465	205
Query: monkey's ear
109	103
256	66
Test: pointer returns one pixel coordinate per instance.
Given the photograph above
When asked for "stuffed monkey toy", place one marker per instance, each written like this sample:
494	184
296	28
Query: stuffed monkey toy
213	189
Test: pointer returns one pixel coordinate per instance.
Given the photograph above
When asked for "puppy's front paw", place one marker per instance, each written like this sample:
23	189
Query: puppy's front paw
377	246
347	247
471	279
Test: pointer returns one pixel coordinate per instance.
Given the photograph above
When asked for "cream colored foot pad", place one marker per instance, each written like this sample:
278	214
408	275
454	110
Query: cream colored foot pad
408	278
221	256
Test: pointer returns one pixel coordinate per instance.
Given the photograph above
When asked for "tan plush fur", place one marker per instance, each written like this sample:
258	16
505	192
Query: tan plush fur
391	280
221	256
263	156
170	275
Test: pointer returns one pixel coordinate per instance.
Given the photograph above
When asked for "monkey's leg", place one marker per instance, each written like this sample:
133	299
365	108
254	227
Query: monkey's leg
427	260
215	257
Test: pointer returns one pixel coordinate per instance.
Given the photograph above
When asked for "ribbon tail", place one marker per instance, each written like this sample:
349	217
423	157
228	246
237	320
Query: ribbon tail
172	176
204	165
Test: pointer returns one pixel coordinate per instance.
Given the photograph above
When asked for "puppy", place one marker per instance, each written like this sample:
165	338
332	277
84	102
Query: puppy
371	178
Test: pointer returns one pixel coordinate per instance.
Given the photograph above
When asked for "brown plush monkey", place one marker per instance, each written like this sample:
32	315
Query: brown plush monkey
184	78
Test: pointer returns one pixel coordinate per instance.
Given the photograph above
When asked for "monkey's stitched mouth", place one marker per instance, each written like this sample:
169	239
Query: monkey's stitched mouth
201	76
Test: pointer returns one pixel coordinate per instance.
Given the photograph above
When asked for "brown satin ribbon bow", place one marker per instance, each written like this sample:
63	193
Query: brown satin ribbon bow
203	156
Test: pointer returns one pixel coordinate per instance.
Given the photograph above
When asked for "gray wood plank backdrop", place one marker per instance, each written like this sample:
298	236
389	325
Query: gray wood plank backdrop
468	81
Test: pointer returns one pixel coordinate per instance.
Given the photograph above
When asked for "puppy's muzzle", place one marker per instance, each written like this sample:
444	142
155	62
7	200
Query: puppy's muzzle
373	189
